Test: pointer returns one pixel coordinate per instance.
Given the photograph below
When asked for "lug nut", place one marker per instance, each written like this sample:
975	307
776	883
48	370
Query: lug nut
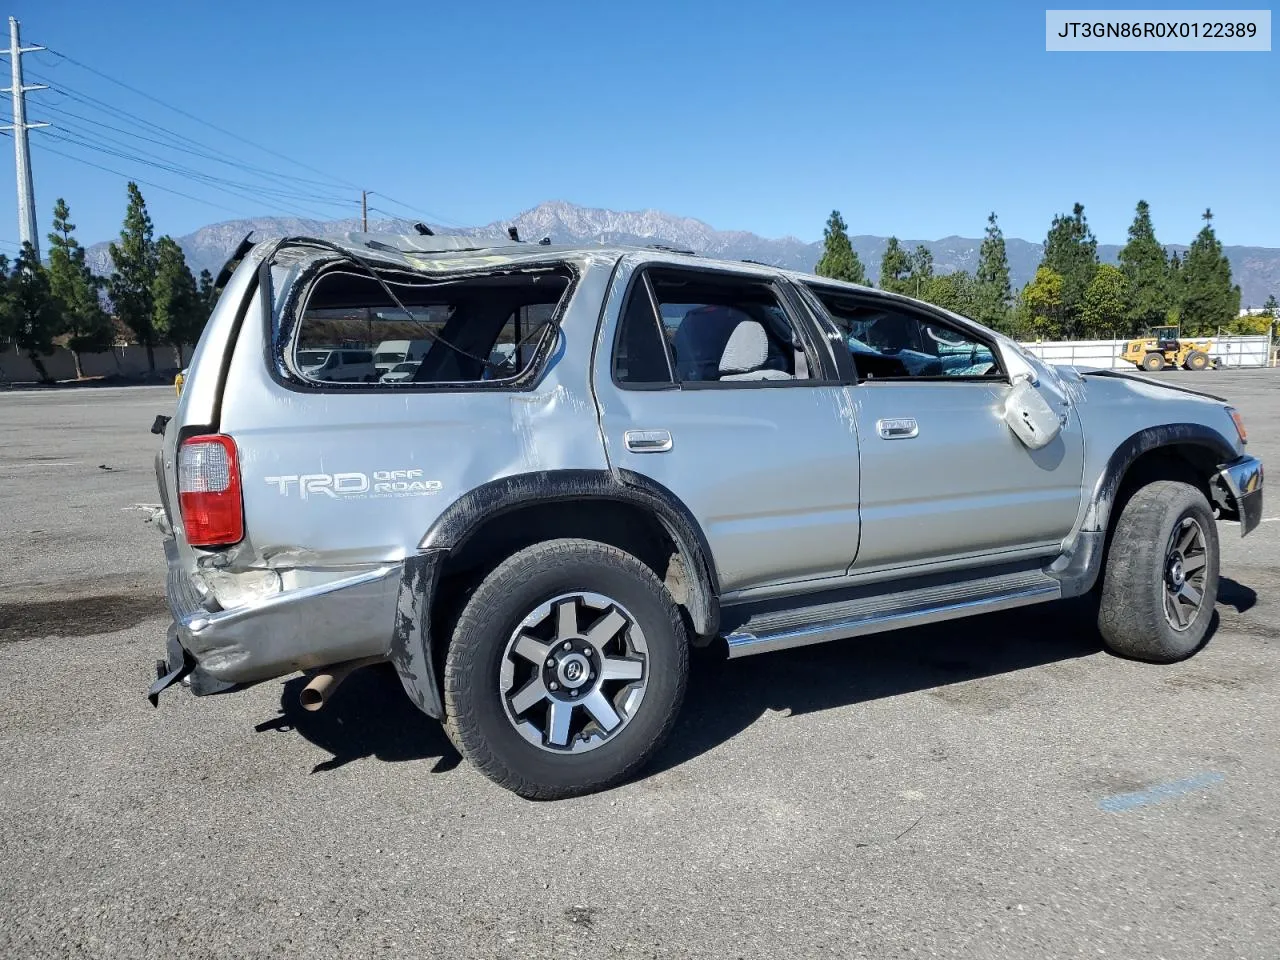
550	662
553	685
568	645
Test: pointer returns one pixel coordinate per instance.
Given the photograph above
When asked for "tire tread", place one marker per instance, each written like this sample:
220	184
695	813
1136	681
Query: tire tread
1130	615
460	663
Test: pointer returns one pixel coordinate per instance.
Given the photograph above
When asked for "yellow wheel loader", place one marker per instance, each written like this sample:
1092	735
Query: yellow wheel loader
1164	348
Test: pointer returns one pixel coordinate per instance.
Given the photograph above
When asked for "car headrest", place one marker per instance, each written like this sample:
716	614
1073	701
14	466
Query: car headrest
747	349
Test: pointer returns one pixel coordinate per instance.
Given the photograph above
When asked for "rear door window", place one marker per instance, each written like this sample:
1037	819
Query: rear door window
699	328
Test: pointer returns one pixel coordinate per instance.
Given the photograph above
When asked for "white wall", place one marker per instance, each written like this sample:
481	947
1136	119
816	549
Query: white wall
1230	351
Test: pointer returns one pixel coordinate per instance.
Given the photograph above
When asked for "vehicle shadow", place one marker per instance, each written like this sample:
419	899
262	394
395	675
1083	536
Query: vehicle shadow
727	696
370	716
1236	595
367	716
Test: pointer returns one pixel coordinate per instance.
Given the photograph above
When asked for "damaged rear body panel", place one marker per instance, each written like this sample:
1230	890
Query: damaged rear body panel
342	479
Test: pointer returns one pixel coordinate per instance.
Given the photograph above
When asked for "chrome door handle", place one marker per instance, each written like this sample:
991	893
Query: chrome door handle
898	428
647	441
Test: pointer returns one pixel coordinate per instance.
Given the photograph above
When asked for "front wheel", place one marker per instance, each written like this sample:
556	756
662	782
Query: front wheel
1161	577
1197	360
566	669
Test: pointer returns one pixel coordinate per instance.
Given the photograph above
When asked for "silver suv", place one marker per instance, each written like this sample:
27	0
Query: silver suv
607	456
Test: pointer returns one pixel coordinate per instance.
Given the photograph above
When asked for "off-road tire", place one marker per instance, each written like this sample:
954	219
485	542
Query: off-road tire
1153	362
1131	611
1196	360
476	719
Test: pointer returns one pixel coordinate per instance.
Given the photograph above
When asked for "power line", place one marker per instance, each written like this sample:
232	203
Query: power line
416	214
283	192
181	142
243	192
85	138
201	120
127	176
179	147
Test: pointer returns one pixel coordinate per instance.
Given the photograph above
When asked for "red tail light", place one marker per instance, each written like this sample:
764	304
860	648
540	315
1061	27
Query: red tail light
209	491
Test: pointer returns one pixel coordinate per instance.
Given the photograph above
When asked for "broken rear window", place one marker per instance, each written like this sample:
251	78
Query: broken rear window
459	330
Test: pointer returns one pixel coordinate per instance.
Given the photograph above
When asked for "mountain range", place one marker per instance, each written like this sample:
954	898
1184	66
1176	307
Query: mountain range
1256	269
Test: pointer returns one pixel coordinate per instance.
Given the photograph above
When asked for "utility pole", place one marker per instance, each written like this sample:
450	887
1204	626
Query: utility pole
364	210
21	149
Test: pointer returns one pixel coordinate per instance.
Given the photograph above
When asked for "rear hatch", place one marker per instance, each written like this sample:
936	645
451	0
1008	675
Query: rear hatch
198	404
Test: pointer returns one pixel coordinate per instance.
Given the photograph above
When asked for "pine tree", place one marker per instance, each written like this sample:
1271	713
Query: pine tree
895	268
1071	251
179	312
1174	287
134	259
1209	299
1146	270
992	280
35	312
208	295
921	270
1106	304
75	289
839	259
8	317
1271	310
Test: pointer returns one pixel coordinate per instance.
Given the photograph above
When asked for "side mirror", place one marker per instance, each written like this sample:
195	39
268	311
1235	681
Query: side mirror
1030	417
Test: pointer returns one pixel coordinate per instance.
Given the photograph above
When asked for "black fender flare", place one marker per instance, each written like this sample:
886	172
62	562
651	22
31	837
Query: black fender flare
1144	441
413	647
1078	569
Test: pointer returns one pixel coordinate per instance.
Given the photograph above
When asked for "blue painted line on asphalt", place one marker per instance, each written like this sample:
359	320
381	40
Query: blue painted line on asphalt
1120	802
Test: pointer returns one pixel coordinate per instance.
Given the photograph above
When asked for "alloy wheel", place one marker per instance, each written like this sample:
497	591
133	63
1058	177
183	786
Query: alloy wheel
1186	564
574	672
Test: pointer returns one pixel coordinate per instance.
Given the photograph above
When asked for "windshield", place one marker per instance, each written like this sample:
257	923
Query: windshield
404	368
388	357
312	358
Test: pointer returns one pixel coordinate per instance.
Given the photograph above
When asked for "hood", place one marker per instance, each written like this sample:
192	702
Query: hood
1147	381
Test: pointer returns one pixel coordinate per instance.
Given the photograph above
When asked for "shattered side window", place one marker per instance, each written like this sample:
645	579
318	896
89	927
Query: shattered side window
887	341
453	330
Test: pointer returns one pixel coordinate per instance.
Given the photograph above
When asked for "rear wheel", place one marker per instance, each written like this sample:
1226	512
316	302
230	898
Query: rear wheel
566	669
1153	361
1161	576
1196	360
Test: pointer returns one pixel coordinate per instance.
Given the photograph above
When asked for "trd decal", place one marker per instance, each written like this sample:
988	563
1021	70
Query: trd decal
356	486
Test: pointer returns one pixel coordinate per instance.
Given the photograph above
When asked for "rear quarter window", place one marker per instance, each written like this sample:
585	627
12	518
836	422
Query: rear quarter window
488	329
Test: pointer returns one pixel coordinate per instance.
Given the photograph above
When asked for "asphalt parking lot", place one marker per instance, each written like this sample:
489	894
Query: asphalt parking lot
1000	787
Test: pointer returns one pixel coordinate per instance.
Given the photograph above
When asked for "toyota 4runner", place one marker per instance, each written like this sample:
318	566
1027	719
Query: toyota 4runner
606	456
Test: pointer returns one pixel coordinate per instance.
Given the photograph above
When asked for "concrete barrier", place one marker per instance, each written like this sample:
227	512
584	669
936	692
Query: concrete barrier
128	361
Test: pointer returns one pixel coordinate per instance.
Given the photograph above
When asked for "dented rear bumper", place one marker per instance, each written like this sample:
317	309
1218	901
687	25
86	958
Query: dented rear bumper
214	650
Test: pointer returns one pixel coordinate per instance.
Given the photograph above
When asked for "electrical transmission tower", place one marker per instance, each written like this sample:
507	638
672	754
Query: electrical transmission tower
21	149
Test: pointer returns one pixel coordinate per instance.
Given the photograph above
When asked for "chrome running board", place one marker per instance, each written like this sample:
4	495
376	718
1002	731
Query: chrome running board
781	629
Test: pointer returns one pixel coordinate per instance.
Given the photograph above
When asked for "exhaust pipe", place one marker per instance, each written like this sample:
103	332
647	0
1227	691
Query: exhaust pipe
317	693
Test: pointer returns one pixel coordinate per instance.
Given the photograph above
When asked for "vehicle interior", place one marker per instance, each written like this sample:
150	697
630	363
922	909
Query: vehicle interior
484	327
886	341
715	328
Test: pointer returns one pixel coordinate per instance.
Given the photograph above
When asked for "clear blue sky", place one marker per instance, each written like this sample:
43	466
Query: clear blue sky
914	119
